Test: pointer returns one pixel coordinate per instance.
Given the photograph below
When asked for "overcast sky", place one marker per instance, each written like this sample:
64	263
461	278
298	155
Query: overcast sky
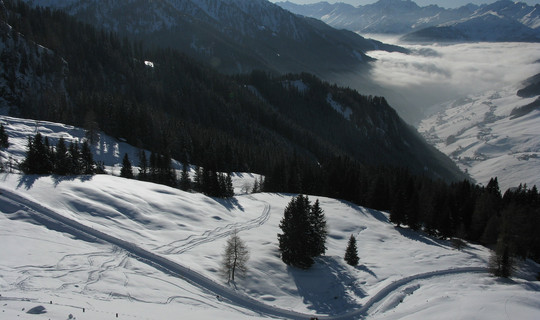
442	3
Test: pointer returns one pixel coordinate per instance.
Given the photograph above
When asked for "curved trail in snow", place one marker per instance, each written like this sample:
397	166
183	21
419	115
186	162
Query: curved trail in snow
69	225
181	246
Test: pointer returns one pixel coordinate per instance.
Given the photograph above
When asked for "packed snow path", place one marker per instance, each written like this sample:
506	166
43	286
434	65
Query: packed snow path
49	217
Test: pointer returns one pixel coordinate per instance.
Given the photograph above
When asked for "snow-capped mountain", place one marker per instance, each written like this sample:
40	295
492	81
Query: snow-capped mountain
492	134
384	16
503	21
231	35
500	21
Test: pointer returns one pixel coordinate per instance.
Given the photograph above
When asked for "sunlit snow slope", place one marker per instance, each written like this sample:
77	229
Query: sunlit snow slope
484	139
74	266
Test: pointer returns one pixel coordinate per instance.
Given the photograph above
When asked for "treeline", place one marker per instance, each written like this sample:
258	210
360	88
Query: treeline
158	169
43	158
462	209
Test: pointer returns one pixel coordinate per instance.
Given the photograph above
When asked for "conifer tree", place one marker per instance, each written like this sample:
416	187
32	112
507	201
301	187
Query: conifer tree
297	237
318	230
501	262
62	164
143	164
198	180
261	184
185	181
153	170
351	253
87	158
75	156
256	187
229	189
4	139
37	160
126	171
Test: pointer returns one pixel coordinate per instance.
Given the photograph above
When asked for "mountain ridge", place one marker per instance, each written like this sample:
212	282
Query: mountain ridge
230	35
430	23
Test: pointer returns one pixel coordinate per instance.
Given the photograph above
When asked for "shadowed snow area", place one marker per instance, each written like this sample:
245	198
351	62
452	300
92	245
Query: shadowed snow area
92	247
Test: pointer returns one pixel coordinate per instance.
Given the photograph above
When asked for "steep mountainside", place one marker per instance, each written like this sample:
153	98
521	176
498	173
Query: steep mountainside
492	134
31	75
501	21
232	35
171	104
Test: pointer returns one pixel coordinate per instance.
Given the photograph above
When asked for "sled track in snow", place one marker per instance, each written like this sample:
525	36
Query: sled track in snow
226	294
181	246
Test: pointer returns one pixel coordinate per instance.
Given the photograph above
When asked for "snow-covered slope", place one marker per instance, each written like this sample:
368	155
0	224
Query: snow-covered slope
96	246
500	21
483	136
483	26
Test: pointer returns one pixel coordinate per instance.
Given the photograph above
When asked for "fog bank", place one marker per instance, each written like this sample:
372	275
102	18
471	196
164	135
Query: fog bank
433	74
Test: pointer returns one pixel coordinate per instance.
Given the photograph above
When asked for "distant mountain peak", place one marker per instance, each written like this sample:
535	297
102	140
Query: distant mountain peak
405	16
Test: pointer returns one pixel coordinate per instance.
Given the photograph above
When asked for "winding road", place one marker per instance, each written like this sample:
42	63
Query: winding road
60	222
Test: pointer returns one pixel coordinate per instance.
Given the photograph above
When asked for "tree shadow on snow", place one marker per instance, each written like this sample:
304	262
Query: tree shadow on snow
230	204
327	287
417	236
367	270
365	211
27	181
59	179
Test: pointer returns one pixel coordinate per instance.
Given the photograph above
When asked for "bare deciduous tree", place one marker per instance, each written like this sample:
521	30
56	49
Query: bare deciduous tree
235	256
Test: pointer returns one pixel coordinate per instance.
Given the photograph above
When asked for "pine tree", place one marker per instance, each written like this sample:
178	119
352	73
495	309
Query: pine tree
4	138
75	156
351	253
501	262
143	164
153	170
256	187
62	164
185	181
198	180
37	160
126	171
294	241
235	257
229	189
261	184
318	232
87	158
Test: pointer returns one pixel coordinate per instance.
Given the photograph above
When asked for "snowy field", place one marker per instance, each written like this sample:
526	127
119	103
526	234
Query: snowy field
93	247
484	139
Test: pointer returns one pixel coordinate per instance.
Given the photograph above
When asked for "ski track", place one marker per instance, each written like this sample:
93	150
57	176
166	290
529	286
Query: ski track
225	294
212	235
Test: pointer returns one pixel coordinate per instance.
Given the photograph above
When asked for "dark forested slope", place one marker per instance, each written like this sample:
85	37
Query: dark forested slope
180	107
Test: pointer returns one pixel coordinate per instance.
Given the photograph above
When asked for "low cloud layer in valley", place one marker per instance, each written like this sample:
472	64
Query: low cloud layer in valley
433	74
